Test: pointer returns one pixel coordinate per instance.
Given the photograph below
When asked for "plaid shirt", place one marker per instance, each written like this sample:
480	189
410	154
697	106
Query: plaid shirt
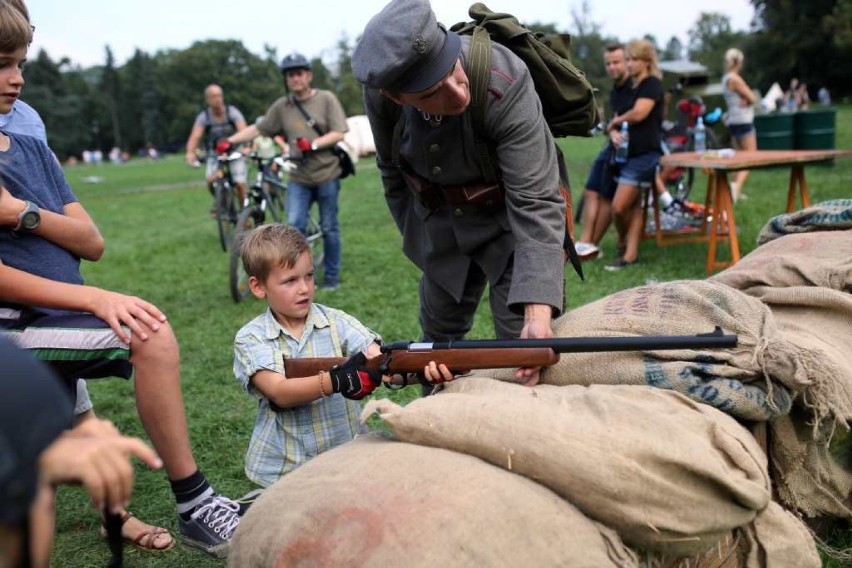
285	438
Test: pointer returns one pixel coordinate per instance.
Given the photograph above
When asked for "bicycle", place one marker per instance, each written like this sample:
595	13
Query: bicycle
265	194
225	198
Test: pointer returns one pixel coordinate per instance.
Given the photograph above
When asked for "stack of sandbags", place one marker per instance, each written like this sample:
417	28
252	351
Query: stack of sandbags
832	215
669	475
375	502
754	381
805	279
822	259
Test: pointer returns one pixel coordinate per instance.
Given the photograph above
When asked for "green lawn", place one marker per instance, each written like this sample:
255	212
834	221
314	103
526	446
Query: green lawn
162	246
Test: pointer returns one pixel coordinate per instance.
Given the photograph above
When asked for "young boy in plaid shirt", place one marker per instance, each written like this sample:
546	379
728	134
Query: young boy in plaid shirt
299	417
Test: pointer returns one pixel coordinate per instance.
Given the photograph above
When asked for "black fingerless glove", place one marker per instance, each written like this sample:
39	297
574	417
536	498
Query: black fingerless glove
353	379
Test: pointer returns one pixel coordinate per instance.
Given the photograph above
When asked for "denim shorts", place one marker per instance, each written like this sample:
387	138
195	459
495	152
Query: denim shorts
740	131
639	169
601	180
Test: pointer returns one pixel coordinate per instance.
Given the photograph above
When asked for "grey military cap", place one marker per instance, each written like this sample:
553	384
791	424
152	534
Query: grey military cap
404	48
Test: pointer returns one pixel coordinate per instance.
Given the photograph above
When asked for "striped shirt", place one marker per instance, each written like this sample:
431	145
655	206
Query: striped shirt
285	438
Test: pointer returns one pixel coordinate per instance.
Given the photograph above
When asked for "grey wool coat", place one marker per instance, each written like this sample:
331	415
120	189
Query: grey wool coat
528	231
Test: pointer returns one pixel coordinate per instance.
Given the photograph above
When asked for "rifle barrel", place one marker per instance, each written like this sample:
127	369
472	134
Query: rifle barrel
714	339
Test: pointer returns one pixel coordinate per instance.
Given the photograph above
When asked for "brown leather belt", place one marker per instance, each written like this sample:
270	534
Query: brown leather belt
432	196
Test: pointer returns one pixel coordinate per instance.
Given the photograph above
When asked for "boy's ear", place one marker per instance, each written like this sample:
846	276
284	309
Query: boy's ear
257	288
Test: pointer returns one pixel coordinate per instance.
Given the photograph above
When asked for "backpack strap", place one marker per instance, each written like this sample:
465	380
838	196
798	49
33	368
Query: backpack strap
208	124
479	72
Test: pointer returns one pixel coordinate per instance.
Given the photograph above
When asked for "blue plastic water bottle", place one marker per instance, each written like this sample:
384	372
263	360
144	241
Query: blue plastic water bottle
700	136
621	151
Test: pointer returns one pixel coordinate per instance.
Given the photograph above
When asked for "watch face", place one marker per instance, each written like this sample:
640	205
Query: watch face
30	220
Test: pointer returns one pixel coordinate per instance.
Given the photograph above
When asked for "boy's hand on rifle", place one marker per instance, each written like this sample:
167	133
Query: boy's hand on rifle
353	379
435	373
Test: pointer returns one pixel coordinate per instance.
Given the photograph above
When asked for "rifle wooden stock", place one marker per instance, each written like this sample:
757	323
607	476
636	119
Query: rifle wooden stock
458	361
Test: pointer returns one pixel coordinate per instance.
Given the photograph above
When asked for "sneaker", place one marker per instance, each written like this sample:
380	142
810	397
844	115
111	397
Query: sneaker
329	286
586	251
247	500
211	525
619	264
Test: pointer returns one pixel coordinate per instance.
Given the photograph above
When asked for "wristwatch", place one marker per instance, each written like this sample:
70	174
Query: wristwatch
29	218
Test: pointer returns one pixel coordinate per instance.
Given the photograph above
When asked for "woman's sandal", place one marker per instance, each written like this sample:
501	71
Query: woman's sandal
146	539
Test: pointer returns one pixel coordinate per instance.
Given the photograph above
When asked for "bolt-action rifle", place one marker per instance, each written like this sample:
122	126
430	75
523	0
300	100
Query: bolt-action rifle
462	356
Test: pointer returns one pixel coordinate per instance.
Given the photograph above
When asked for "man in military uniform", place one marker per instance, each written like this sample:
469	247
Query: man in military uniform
460	231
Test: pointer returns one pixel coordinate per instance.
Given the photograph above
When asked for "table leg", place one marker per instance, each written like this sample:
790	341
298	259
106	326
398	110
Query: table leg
716	227
733	239
723	218
708	200
797	178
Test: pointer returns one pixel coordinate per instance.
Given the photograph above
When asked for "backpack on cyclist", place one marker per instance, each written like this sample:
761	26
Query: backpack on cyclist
208	125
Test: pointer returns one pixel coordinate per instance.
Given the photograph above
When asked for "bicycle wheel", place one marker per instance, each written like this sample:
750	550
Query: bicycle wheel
226	213
274	201
313	233
249	218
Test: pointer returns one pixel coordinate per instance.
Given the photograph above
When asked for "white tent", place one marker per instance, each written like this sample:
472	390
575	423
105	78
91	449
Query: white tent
774	93
360	137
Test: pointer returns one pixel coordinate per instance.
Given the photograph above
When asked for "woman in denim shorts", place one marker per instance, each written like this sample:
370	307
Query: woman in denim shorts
740	100
644	120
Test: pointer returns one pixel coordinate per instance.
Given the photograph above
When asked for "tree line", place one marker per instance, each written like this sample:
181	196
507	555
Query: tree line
152	99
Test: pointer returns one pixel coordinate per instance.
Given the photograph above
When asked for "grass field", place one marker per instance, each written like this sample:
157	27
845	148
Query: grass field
162	246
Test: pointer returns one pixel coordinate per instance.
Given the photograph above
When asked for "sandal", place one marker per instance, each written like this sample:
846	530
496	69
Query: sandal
146	539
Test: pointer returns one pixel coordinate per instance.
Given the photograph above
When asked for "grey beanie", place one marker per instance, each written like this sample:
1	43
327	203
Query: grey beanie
404	48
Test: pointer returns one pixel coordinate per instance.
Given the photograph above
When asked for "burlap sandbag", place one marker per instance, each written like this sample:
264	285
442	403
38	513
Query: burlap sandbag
665	472
778	538
375	502
806	259
835	214
807	476
741	381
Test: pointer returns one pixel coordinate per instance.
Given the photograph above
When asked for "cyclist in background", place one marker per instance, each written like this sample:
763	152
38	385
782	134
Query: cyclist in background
215	123
312	122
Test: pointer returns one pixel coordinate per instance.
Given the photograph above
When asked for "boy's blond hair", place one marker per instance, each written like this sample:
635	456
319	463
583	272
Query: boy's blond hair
270	246
15	30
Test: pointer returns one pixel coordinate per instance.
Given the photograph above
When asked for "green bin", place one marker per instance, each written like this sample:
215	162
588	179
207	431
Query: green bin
814	129
774	131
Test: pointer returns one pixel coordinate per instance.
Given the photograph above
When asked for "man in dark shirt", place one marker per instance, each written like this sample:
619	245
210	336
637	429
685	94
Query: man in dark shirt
601	184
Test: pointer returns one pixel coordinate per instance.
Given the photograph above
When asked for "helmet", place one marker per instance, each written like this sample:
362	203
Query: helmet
294	61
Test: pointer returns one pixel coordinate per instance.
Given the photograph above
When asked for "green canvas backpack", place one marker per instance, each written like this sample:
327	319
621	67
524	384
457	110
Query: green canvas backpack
567	97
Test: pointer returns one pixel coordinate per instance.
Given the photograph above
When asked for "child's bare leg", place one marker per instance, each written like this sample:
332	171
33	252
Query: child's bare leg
159	400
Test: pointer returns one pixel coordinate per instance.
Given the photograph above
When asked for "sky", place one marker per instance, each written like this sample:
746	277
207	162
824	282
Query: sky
80	29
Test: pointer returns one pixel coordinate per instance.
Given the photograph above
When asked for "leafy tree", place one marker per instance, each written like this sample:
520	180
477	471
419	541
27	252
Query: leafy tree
673	49
348	89
141	114
110	88
249	82
808	40
709	38
64	99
